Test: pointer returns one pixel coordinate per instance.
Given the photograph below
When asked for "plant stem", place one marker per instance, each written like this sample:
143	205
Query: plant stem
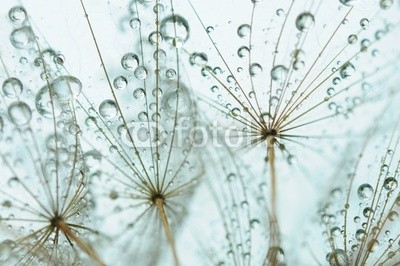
274	243
82	244
159	202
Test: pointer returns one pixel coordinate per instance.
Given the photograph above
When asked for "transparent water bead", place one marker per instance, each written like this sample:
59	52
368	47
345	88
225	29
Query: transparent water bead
140	73
347	70
130	61
365	191
135	23
108	109
255	69
279	73
305	21
66	87
173	27
243	51
44	106
20	113
352	39
176	102
17	14
364	23
120	83
12	87
22	38
139	93
243	30
385	4
338	256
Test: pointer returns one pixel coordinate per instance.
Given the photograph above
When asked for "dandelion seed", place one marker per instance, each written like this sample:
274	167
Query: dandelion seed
288	96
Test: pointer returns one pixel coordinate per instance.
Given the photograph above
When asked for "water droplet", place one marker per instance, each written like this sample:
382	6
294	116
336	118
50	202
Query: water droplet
280	12
347	70
173	27
298	64
160	55
20	113
130	61
393	216
367	212
108	109
113	195
17	14
140	73
134	23
365	191
279	73
273	101
243	30
177	105
22	38
120	83
170	73
243	51
275	255
13	182
66	87
304	21
139	93
235	112
385	4
360	234
199	59
43	104
255	69
338	257
12	87
390	183
352	39
330	91
364	23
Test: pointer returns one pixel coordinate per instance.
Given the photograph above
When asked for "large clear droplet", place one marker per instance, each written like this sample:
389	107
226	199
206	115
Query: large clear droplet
365	191
20	113
304	21
140	73
279	73
176	102
108	109
243	30
17	14
120	83
338	257
66	87
22	38
255	69
347	70
12	87
130	61
385	4
174	26
44	106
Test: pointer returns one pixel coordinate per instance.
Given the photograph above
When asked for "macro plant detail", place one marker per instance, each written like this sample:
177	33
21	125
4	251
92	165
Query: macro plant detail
276	97
161	132
45	194
360	216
